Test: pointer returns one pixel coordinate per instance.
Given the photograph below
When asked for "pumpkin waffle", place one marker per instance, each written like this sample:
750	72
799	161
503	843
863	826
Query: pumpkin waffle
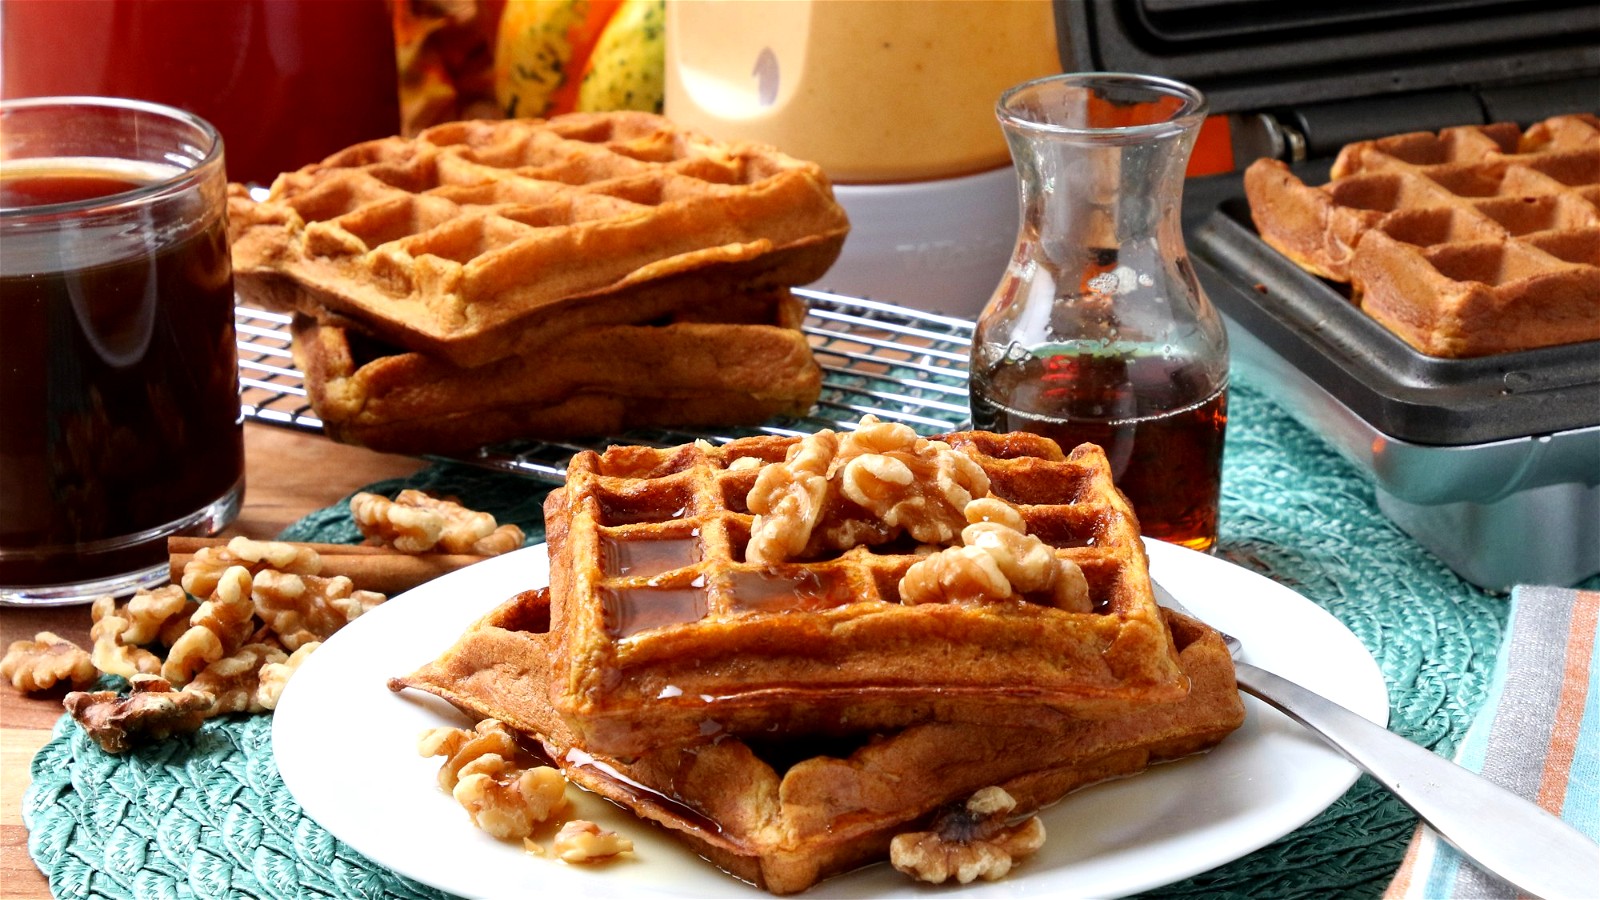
749	365
474	238
1472	241
668	634
784	815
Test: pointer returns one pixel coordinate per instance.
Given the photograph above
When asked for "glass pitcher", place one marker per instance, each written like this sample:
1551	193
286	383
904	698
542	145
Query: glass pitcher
1098	331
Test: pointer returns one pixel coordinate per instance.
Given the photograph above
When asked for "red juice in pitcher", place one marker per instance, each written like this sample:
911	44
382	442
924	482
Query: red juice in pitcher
286	82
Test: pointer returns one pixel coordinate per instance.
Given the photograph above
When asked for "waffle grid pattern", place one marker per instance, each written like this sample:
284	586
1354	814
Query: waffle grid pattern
429	241
694	499
462	192
1470	241
1533	200
663	624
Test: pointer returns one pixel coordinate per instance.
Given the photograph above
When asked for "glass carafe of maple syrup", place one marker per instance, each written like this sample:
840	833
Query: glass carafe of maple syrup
1098	331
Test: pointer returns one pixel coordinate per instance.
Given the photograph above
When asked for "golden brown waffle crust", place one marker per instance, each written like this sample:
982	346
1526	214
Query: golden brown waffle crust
1469	242
861	660
461	241
602	380
834	812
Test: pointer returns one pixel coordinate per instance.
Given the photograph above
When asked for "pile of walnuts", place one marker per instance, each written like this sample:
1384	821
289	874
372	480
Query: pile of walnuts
882	481
224	640
869	486
230	634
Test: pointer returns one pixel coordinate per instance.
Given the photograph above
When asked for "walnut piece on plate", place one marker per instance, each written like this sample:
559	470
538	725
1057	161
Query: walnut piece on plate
480	771
508	801
971	841
582	841
459	746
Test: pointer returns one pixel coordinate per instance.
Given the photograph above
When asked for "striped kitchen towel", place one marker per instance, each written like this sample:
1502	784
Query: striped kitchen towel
1538	735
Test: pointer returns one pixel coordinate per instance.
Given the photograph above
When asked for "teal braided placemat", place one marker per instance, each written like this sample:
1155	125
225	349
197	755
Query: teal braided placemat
208	815
204	816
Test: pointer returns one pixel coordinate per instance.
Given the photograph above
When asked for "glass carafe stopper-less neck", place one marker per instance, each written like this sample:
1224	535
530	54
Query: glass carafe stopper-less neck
1099	330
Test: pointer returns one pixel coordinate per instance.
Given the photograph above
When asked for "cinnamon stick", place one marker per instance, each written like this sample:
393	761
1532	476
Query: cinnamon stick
382	569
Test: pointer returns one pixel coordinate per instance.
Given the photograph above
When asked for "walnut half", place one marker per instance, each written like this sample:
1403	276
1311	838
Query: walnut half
119	632
997	560
459	746
508	801
201	574
302	609
235	679
415	522
151	711
275	675
968	842
46	661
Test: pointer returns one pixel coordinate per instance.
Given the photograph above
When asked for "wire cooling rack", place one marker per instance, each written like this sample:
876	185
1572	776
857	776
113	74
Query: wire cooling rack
899	364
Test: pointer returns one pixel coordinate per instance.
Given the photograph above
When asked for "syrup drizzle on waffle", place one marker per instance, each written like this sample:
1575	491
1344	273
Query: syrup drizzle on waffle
665	627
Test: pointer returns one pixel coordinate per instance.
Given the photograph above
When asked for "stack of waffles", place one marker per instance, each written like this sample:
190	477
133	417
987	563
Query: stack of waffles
542	278
787	718
1473	241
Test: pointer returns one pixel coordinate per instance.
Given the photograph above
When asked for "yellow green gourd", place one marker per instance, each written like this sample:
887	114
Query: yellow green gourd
627	69
556	56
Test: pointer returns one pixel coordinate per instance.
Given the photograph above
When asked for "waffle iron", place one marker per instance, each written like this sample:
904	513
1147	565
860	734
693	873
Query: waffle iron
1493	463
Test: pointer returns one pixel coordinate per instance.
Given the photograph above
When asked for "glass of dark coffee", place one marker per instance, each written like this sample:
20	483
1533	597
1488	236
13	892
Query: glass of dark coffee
120	422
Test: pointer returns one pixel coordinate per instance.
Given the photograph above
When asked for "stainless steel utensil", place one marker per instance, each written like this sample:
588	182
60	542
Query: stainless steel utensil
1499	832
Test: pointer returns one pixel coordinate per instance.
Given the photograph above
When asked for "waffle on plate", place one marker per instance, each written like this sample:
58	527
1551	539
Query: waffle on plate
476	237
1472	241
750	362
667	631
784	814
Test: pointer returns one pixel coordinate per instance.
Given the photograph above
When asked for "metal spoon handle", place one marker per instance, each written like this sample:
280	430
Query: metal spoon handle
1503	834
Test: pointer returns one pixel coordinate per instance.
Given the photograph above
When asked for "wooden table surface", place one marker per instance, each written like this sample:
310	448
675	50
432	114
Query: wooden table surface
288	474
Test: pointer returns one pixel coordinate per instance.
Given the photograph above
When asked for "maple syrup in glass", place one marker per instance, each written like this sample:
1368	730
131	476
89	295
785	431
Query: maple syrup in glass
119	392
1160	425
1099	332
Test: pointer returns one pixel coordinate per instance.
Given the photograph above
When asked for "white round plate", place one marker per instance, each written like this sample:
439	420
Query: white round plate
346	747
